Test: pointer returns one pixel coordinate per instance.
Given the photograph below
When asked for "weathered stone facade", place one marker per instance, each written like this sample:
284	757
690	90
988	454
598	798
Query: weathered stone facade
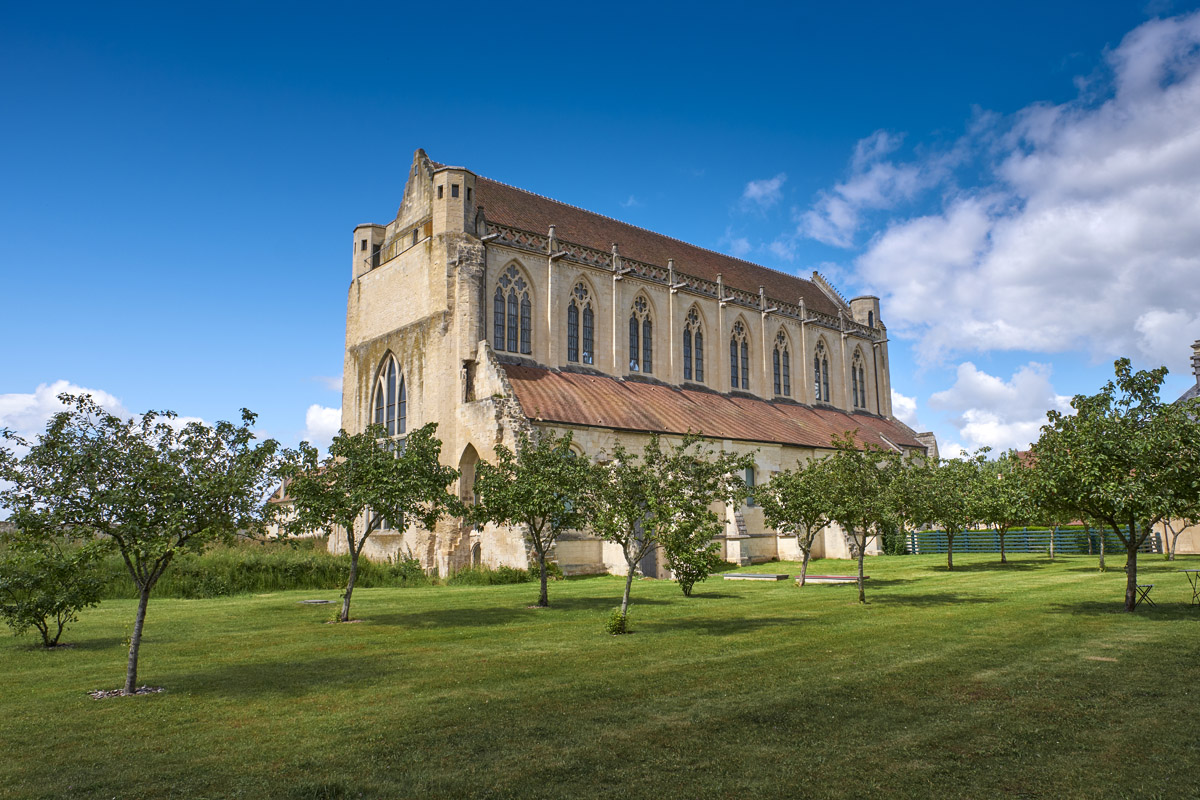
426	289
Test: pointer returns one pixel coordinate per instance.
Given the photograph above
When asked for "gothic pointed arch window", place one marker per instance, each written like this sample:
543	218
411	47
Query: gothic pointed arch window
739	357
693	347
580	306
858	381
781	362
391	398
821	373
641	336
512	313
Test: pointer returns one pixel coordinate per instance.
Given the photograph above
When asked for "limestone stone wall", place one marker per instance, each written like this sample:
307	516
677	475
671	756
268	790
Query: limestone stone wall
422	291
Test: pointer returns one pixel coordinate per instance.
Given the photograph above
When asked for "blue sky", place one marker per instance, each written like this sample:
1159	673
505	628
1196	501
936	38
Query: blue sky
1020	183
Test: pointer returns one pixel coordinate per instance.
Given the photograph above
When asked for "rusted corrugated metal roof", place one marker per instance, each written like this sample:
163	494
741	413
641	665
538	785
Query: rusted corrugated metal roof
604	402
508	205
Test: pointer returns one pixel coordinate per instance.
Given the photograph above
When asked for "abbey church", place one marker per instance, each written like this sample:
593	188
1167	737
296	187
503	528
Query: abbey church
491	310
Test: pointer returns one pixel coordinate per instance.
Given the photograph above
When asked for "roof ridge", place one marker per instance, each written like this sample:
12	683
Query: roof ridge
645	230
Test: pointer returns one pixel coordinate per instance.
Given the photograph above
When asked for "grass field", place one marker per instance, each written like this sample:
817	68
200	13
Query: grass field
1025	680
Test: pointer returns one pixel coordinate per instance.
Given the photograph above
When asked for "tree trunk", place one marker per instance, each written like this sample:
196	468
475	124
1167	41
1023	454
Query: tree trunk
1053	533
1131	547
1103	568
949	550
135	642
1003	557
345	617
862	549
1170	540
543	599
628	585
804	564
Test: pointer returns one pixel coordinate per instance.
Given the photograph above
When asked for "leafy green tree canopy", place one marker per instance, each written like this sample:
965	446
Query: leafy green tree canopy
365	483
148	485
1124	458
541	487
799	502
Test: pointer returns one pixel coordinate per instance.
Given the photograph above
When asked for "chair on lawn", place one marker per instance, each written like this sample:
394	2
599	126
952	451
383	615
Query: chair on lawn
1143	592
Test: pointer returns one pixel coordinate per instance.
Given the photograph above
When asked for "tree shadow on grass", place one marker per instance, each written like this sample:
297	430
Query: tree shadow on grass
97	643
1162	612
932	599
292	678
718	627
604	602
994	566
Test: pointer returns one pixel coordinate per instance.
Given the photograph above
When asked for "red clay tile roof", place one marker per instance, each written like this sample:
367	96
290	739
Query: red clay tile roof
604	402
508	205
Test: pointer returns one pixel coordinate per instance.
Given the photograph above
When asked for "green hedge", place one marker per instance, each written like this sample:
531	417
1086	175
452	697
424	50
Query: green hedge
249	567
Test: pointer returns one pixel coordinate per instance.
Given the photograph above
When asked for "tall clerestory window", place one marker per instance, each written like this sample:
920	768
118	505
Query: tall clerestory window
821	374
782	363
693	347
390	412
391	399
512	313
858	381
641	330
580	306
739	357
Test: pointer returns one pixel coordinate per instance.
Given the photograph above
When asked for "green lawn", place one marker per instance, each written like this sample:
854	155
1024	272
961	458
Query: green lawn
1024	681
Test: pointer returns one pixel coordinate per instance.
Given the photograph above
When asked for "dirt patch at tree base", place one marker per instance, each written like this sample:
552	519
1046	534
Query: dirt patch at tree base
101	694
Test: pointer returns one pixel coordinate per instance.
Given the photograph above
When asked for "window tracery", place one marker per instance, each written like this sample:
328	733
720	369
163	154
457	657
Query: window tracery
580	305
821	374
641	329
782	364
512	313
858	381
693	347
739	368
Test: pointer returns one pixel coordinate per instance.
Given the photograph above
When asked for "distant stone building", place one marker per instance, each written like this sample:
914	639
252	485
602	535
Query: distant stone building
491	310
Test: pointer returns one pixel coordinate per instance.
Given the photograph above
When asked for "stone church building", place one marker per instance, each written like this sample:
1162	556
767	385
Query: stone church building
490	310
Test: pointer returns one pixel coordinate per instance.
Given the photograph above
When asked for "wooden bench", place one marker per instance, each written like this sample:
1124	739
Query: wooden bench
755	576
832	578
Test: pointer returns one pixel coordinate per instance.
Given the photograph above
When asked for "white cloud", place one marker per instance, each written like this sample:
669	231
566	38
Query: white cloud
631	202
321	424
990	411
905	409
1085	234
736	245
764	193
27	414
874	183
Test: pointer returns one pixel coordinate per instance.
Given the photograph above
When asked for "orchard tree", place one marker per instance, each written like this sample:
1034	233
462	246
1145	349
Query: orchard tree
663	497
690	477
148	486
540	487
1005	495
861	503
908	488
46	580
1123	458
953	498
798	502
365	483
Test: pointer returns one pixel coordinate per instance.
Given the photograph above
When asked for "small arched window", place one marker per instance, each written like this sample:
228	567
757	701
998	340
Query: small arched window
641	330
870	319
821	374
693	347
781	362
739	357
512	312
